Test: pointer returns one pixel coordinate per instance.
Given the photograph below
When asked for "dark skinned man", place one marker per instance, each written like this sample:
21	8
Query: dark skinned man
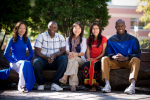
49	50
122	51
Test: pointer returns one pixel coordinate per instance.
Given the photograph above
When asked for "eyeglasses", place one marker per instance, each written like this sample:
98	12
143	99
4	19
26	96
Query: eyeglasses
95	28
76	28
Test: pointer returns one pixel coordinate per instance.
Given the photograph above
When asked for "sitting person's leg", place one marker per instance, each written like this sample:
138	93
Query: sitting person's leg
97	69
69	71
96	77
91	74
85	71
72	71
60	64
134	65
21	83
39	64
28	74
107	64
73	79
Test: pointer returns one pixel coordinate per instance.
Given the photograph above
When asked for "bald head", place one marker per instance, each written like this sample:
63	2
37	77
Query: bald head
51	22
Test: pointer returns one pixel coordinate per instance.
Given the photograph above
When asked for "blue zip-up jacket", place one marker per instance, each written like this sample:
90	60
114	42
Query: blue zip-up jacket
125	44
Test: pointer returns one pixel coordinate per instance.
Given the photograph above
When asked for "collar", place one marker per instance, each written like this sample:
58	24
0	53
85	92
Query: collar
20	38
49	35
122	36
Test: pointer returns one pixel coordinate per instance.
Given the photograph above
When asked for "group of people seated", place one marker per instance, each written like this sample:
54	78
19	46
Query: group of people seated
93	55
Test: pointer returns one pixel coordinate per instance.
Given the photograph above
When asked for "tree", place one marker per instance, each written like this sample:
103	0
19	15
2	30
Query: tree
66	12
11	12
146	13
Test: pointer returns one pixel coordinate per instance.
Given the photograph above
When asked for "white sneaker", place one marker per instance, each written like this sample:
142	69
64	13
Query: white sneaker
40	87
56	87
130	90
106	89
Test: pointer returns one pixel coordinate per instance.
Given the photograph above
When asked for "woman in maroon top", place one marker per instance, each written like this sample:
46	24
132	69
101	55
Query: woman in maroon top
96	45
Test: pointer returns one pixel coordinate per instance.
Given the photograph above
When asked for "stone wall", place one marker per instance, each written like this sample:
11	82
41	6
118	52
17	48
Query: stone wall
119	78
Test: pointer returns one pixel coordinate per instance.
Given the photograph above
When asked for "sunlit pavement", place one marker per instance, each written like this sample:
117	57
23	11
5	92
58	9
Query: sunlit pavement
13	94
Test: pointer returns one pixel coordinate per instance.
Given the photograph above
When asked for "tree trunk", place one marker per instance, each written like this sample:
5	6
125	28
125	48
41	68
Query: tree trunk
3	40
63	29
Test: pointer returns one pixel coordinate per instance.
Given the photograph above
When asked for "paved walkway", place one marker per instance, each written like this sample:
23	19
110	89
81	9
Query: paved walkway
67	94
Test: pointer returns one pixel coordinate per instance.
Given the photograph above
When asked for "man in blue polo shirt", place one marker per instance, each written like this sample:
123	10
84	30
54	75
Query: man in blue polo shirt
123	51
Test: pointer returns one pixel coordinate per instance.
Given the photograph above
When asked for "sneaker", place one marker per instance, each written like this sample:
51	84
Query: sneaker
106	89
56	87
130	90
40	87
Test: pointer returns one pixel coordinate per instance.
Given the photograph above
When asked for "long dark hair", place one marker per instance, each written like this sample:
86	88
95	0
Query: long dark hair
72	34
15	35
91	36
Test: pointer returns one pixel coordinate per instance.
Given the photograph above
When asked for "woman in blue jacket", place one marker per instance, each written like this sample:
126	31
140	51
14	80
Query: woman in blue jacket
19	61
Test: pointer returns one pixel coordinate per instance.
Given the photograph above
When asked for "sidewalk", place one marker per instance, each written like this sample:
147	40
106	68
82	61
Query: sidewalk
80	94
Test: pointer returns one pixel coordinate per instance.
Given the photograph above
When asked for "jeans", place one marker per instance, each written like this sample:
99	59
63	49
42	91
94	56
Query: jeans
59	64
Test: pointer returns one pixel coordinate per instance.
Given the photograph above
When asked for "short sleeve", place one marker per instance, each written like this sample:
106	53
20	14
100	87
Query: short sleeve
67	44
83	45
87	41
104	39
38	41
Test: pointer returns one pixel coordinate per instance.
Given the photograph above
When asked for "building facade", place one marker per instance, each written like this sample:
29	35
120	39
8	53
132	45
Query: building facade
131	18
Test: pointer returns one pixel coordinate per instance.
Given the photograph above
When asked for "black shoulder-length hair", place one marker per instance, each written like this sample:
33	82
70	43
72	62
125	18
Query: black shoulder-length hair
91	36
15	35
72	34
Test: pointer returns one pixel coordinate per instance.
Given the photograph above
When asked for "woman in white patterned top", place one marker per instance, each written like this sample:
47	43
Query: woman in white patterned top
75	49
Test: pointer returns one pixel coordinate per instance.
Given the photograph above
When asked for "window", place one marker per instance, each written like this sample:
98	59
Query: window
137	22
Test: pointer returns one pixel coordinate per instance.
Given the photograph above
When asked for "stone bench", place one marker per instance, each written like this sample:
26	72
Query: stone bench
119	78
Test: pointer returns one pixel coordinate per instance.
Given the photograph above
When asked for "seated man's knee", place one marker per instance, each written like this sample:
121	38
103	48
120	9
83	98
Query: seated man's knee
63	59
104	58
135	59
36	62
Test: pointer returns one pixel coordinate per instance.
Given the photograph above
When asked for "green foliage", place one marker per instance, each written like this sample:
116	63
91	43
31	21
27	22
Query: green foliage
66	12
146	10
11	12
145	44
